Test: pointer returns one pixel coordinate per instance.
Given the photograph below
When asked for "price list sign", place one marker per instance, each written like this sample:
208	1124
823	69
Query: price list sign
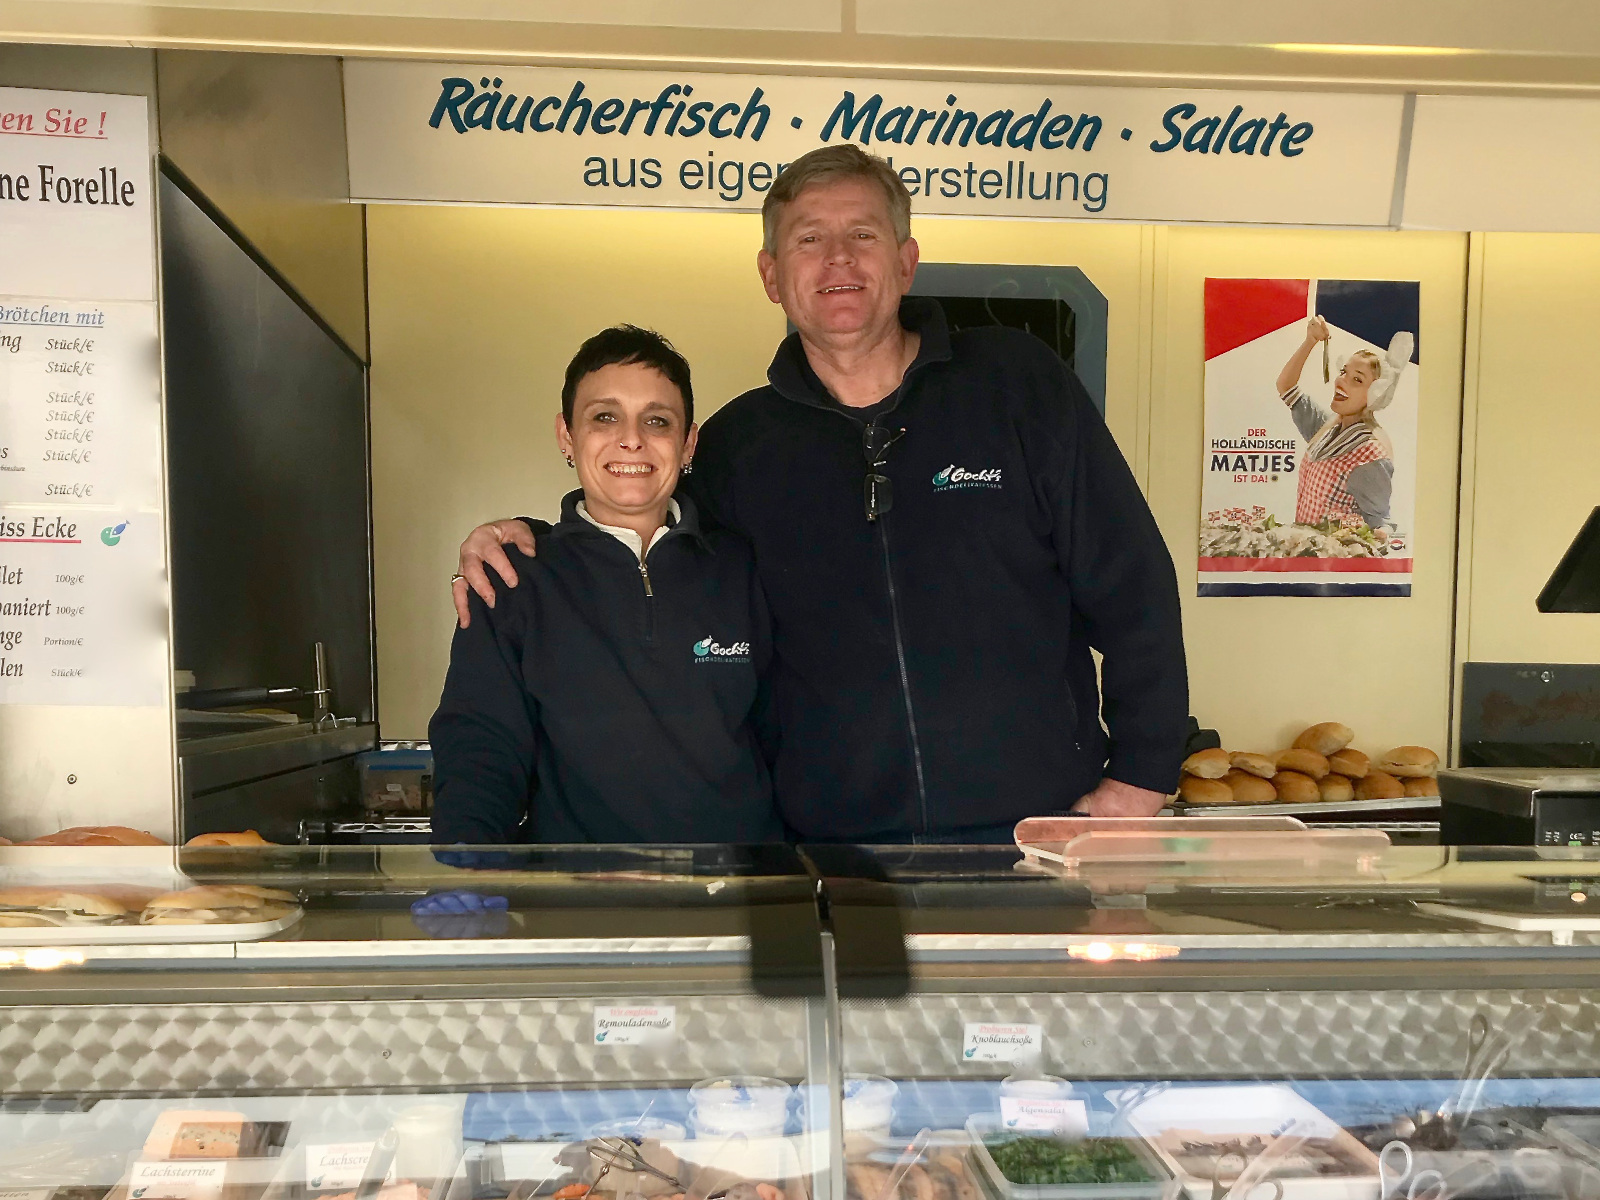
83	589
79	414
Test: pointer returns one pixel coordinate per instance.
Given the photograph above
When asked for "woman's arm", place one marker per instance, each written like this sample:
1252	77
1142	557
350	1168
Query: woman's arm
1370	485
1289	377
484	748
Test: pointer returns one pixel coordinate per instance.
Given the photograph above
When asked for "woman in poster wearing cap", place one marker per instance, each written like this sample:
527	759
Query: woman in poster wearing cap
1347	473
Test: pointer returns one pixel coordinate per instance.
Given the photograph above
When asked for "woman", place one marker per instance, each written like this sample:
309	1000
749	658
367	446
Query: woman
1347	473
613	695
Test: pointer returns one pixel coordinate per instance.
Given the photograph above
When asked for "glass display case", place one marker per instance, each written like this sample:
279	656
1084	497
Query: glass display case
1379	1023
1347	1021
399	1025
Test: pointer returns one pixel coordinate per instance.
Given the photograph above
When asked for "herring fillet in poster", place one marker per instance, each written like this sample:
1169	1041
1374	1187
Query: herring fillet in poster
1310	448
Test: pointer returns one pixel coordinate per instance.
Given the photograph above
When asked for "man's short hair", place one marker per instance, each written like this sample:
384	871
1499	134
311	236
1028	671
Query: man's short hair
622	345
830	164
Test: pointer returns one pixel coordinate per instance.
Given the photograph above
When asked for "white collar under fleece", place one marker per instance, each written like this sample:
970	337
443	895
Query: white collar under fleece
628	537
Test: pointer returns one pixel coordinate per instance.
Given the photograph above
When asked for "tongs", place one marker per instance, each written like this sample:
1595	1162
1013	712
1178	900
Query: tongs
1255	1171
1487	1052
624	1155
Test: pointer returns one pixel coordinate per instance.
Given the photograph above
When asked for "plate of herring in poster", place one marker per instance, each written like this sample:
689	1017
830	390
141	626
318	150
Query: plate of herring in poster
1309	484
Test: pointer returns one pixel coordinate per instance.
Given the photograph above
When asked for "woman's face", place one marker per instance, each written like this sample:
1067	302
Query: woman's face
1351	387
628	440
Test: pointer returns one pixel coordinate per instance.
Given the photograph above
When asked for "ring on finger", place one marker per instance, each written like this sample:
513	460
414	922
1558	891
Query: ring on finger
455	578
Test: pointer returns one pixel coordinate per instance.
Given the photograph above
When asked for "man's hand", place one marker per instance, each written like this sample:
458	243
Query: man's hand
482	549
1114	798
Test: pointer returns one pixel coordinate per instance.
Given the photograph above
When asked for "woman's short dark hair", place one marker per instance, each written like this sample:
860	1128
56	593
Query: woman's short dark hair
622	345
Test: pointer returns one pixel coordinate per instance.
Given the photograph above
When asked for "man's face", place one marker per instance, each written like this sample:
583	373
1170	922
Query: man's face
834	265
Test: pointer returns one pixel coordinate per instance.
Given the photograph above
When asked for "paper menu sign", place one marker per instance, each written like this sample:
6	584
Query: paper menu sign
338	1166
983	1041
177	1180
634	1024
1067	1118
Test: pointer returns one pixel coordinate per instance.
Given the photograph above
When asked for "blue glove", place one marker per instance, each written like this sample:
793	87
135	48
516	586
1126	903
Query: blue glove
460	914
459	903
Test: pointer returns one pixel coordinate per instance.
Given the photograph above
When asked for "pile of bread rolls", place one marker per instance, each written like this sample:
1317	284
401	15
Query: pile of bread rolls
1319	766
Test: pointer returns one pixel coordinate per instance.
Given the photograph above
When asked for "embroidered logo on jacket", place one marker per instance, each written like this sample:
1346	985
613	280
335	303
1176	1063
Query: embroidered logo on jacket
954	477
710	650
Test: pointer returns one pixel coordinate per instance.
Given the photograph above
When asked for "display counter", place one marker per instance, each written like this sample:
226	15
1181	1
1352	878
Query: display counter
831	1023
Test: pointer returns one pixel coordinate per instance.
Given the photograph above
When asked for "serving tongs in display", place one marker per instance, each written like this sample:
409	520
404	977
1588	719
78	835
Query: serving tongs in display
1257	1171
1487	1051
624	1154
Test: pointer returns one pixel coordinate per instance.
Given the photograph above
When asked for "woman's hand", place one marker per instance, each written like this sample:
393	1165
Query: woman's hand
482	549
1317	330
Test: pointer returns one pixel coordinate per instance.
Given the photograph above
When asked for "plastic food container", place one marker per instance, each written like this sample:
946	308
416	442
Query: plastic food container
869	1104
1179	1123
640	1128
750	1104
985	1127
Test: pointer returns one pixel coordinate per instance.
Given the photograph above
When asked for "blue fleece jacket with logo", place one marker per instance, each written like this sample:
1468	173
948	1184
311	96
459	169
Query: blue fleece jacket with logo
598	702
932	669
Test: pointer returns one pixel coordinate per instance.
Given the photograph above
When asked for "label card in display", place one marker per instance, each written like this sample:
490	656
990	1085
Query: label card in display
985	1042
634	1024
338	1166
1067	1118
26	1193
177	1180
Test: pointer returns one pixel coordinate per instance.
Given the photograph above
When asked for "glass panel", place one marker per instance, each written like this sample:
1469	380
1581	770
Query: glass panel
408	1024
1421	1027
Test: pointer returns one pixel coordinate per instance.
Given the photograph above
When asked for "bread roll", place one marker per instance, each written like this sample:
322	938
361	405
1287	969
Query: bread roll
1250	789
1379	785
248	838
1307	762
217	905
1326	738
1207	764
96	835
1255	764
37	907
1352	764
1410	762
1195	790
1295	788
1335	789
1424	785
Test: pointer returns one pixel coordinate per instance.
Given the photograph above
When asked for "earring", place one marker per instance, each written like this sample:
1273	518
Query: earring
688	468
570	463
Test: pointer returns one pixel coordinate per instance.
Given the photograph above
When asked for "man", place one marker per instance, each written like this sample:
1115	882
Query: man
943	527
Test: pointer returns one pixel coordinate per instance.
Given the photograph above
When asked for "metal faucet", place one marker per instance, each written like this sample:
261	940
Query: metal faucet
321	693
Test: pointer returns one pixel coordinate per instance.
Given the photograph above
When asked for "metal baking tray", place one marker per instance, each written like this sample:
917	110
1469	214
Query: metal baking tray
1310	807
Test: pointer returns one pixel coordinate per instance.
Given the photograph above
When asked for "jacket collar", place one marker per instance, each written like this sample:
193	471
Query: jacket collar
791	375
687	525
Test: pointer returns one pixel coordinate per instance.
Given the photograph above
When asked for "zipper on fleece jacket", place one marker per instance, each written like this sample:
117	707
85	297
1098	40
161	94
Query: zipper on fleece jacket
649	603
894	621
905	677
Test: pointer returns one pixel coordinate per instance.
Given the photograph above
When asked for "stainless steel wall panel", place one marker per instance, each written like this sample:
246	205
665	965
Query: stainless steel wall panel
1183	1035
332	1046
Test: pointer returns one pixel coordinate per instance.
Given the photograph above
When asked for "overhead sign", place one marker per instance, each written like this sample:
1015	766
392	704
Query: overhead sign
571	136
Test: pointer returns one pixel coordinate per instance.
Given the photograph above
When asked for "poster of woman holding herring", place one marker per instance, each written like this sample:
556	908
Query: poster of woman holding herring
1309	490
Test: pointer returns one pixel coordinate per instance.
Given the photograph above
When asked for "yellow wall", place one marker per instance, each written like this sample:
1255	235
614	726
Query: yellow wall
1534	437
1262	668
475	312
